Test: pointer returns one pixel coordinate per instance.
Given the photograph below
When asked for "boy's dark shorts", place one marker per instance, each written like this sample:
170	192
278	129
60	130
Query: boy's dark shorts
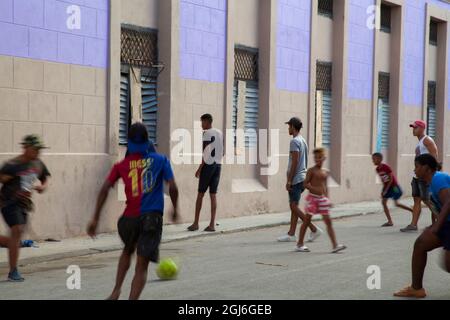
209	178
15	215
394	193
420	189
444	235
296	192
142	234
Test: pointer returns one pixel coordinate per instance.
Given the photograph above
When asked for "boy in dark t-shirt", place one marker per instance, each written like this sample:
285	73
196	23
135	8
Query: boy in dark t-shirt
391	188
18	177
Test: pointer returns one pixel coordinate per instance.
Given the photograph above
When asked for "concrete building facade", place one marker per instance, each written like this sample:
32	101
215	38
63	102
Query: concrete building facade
357	72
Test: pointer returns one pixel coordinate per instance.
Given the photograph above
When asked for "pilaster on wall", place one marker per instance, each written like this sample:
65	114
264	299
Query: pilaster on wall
396	81
339	82
229	72
114	77
267	69
435	12
168	80
339	86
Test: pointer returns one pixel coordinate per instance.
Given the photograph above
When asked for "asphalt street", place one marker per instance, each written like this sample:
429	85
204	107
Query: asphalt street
252	265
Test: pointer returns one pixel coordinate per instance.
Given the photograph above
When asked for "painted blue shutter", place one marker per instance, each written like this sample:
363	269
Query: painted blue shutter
149	106
235	110
124	108
432	120
383	124
327	103
251	112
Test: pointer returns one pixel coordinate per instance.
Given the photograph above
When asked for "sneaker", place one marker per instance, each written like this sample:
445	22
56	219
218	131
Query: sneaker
339	248
314	235
409	228
302	249
15	276
287	238
410	292
27	243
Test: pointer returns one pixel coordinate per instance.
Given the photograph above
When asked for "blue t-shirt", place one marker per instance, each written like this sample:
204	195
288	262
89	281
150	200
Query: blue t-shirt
441	181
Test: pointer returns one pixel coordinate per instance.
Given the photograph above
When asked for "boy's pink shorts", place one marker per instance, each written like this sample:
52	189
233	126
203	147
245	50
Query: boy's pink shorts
317	205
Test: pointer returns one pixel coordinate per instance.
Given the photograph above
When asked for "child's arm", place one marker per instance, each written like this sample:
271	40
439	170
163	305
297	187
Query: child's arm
307	182
101	199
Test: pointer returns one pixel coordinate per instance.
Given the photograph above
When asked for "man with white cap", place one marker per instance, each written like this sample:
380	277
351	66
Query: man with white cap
420	190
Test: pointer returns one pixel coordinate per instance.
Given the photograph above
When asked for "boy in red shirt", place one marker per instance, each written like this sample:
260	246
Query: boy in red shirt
391	188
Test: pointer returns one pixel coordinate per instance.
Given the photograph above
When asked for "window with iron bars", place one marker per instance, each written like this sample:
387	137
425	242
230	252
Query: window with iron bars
246	84
433	33
139	56
325	8
385	16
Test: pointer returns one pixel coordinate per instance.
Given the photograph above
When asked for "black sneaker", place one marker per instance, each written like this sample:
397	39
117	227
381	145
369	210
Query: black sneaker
15	276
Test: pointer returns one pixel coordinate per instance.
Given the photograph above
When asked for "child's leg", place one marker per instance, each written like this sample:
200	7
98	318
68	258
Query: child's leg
4	242
122	269
14	246
306	223
140	278
386	210
402	206
328	223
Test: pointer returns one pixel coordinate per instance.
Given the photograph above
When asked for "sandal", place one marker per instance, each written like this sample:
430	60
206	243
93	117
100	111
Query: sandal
410	292
192	228
387	224
302	249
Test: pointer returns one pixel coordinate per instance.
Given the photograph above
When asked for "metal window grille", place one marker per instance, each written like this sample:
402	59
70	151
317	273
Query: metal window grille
433	33
245	64
431	109
324	76
138	47
385	18
124	120
383	85
326	8
149	105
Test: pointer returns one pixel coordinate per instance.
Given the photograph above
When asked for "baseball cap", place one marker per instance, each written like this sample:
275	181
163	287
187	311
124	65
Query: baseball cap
295	122
418	124
34	141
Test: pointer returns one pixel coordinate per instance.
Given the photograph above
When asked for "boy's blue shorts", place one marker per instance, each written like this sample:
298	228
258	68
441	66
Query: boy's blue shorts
394	193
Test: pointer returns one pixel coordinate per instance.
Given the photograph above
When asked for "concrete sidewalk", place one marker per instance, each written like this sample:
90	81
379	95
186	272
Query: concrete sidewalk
48	251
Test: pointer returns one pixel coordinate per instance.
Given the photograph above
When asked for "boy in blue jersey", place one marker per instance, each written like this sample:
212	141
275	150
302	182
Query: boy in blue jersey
436	236
143	172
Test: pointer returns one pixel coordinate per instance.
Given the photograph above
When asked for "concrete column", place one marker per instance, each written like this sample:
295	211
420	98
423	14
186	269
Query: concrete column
114	79
339	87
168	54
267	70
396	84
441	75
